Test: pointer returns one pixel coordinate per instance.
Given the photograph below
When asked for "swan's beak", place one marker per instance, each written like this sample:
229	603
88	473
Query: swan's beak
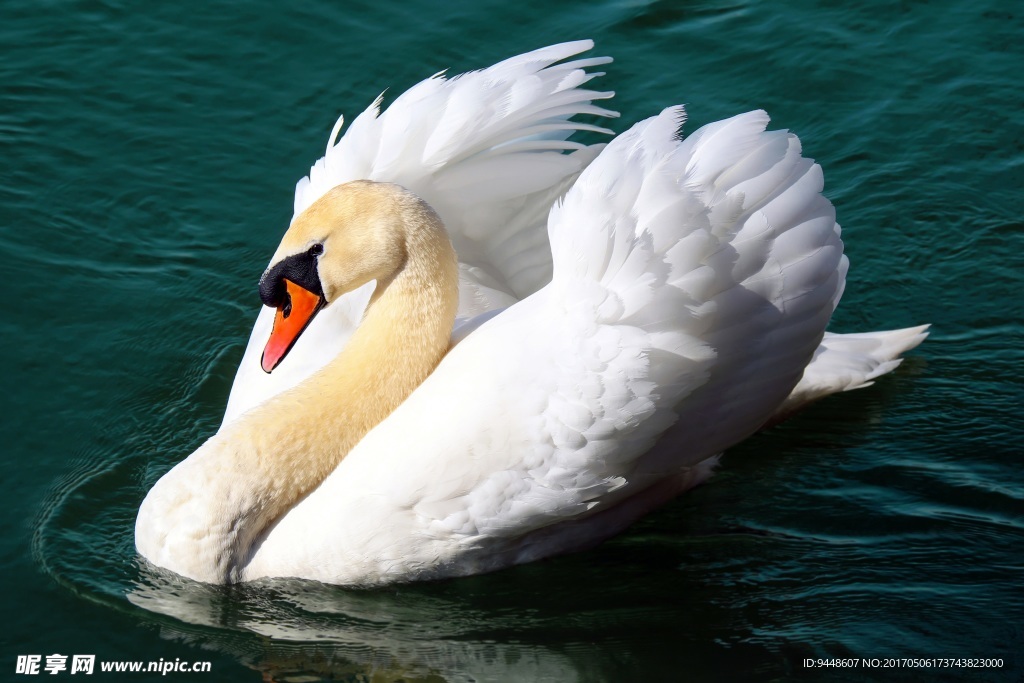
293	315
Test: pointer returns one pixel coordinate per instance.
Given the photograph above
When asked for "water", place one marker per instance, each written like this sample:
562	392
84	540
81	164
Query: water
149	157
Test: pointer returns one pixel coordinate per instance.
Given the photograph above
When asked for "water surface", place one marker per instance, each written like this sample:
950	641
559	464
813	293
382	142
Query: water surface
150	151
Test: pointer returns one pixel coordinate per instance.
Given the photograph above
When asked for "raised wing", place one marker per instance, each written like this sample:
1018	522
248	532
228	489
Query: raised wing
693	282
768	290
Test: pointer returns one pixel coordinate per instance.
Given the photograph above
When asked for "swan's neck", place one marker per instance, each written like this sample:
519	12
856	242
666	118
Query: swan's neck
303	434
266	461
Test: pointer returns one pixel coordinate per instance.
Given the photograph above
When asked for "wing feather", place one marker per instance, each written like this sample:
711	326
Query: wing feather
680	309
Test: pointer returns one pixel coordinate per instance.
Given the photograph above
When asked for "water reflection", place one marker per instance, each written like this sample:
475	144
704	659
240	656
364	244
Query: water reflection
317	631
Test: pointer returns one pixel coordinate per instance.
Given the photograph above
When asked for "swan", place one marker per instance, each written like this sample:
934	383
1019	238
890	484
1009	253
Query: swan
484	344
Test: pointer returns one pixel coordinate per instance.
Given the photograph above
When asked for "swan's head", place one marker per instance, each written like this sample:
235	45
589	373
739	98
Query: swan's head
355	233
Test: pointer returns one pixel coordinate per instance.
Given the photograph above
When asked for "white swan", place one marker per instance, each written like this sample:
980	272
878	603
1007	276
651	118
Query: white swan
680	305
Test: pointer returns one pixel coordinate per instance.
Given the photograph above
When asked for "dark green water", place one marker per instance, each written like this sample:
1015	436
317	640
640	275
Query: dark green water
149	151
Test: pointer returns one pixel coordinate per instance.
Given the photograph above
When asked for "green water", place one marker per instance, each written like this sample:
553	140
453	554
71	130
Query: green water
149	151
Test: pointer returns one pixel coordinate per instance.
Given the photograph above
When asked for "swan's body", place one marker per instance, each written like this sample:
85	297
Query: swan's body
679	306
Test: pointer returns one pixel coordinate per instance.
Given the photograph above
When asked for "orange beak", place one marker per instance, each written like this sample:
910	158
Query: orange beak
298	309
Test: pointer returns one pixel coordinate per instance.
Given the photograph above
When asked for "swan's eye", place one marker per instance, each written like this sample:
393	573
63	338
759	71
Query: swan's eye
316	249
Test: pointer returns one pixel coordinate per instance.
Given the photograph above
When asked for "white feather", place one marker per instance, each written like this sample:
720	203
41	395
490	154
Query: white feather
676	303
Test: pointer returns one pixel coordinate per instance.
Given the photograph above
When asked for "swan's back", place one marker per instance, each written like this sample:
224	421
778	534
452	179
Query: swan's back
692	282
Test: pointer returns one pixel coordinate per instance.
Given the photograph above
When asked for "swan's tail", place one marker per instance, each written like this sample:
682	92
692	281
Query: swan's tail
844	362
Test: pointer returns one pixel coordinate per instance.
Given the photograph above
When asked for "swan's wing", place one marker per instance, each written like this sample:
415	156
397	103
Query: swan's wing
487	150
782	273
693	282
684	273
